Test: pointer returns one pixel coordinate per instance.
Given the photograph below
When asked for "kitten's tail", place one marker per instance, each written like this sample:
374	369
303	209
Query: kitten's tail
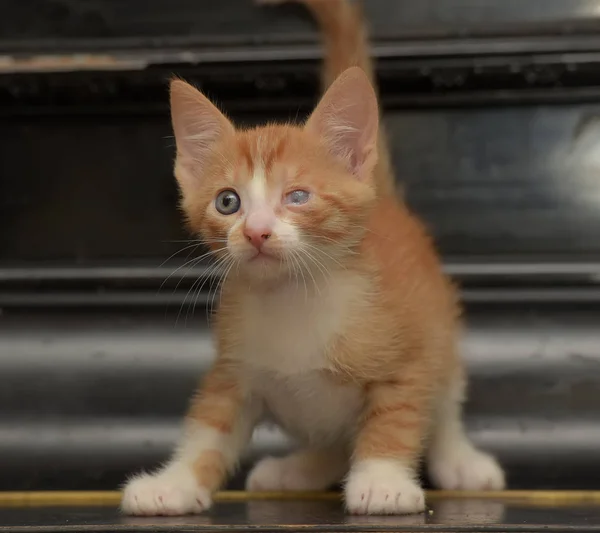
345	36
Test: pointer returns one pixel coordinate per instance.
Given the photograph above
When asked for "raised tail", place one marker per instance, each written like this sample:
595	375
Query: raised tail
345	36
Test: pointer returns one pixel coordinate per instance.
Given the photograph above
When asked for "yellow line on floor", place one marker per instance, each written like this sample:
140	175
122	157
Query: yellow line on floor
112	498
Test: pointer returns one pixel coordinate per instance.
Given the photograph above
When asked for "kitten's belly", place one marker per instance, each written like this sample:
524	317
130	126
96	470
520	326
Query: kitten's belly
311	407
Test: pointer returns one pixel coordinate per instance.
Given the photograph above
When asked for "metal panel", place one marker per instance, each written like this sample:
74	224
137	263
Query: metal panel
511	181
142	22
494	136
86	397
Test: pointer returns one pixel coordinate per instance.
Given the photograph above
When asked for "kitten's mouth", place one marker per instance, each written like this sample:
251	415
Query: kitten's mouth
262	256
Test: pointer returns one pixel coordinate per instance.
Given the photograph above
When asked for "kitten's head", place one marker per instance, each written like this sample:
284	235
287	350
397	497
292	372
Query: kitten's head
279	199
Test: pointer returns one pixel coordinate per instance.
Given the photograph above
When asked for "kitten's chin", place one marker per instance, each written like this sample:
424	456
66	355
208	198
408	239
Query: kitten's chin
263	268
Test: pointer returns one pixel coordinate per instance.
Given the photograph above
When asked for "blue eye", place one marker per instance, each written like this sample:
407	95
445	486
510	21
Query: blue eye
297	197
227	202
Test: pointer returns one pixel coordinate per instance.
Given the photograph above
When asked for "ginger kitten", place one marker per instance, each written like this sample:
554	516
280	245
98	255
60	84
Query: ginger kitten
336	320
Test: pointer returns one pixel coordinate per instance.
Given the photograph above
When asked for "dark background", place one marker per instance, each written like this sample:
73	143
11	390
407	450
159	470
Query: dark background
492	109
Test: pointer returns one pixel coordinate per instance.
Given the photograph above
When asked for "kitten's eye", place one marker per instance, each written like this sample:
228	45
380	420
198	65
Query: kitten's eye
297	197
227	202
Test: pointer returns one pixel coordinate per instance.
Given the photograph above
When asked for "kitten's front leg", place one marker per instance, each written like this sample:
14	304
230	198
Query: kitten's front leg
383	477
217	428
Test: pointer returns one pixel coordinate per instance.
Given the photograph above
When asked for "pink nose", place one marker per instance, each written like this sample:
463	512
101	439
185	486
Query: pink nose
257	236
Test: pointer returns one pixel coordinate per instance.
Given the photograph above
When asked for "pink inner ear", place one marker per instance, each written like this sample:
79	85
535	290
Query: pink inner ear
197	125
347	119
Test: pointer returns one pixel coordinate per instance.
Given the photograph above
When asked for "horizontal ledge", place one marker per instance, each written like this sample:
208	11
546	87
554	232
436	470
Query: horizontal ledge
79	442
184	300
127	56
142	286
459	269
113	498
463	98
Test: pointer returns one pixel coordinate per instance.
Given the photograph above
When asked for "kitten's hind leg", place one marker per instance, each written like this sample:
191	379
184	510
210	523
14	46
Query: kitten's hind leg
306	470
454	463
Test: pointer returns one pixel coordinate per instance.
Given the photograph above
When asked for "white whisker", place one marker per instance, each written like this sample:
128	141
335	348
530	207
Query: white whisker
194	245
202	280
233	263
324	253
192	262
301	270
322	268
309	270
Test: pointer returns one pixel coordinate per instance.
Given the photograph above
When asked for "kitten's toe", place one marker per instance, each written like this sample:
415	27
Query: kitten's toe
465	468
167	493
382	487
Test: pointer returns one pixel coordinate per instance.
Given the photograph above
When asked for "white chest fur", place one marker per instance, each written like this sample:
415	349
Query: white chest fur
287	331
311	407
285	336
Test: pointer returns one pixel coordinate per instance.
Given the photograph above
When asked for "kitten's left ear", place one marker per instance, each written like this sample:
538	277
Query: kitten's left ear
347	119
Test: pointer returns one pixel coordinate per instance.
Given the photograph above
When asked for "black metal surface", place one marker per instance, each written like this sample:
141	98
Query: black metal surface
318	515
496	146
113	23
492	109
517	182
88	397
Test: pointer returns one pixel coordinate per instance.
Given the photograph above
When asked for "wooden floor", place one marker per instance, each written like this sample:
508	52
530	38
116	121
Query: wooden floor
234	511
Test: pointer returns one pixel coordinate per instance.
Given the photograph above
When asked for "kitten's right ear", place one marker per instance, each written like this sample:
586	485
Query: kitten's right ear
197	125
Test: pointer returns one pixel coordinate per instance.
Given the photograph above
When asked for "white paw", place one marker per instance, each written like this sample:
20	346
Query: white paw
464	467
380	486
170	492
288	473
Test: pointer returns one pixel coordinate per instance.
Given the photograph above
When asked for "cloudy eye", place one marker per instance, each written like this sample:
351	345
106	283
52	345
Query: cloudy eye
297	197
227	202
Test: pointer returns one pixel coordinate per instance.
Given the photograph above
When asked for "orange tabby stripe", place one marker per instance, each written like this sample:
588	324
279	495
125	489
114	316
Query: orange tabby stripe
217	402
393	408
386	441
210	470
395	420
